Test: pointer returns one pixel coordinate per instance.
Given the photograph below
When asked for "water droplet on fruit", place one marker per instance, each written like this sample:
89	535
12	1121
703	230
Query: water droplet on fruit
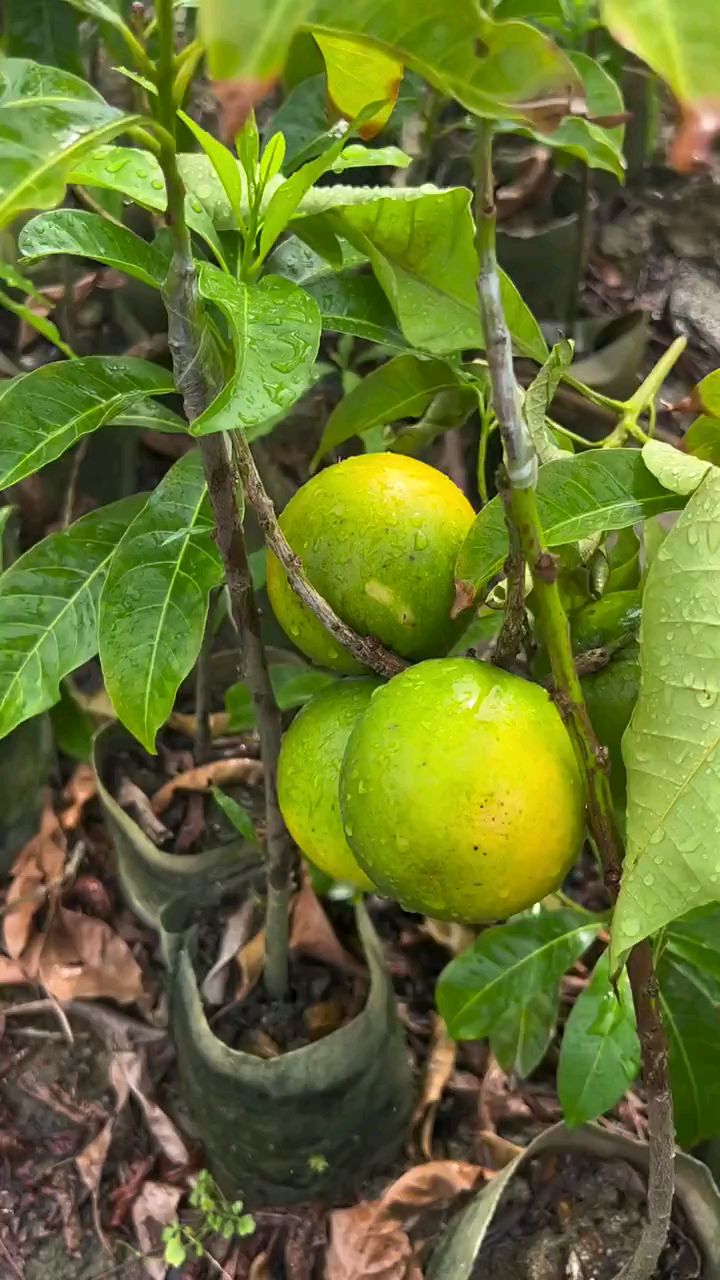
402	843
421	539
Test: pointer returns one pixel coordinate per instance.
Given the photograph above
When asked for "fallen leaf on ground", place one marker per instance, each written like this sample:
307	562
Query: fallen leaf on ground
130	1066
90	1162
260	1268
428	1185
155	1208
193	824
312	934
218	773
123	1196
448	933
367	1245
38	866
250	960
236	933
439	1066
82	958
185	722
80	789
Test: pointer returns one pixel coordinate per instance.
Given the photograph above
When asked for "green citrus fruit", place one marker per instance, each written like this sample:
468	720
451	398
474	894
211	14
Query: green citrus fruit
460	793
613	617
308	773
377	536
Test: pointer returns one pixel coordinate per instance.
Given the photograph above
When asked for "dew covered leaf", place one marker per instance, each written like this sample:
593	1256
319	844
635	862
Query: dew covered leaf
44	412
154	603
578	495
507	984
275	331
671	747
84	234
689	977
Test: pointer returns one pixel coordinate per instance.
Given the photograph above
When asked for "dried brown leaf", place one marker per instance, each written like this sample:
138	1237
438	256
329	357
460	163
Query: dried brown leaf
313	935
235	936
80	789
236	99
155	1208
38	866
428	1185
438	1070
448	933
83	958
501	1150
132	798
219	773
367	1245
123	1196
250	960
692	148
130	1067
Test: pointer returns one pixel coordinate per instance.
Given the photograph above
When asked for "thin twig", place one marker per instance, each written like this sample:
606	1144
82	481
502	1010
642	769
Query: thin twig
592	758
51	887
203	687
366	649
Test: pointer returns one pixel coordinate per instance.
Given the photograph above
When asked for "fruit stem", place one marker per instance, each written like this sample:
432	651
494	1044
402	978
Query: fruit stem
366	649
593	759
198	377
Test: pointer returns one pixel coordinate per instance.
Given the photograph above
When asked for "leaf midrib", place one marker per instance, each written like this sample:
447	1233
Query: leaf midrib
527	959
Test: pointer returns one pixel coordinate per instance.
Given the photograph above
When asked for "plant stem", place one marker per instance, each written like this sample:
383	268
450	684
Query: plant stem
198	377
514	628
203	687
592	758
366	649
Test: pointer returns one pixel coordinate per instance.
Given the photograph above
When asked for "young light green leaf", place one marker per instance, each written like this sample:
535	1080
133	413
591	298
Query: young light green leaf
505	70
275	329
154	603
600	1052
294	685
287	197
507	984
578	496
689	998
680	41
358	75
680	472
357	156
49	119
44	31
707	394
48	610
671	747
401	388
225	165
272	158
45	412
428	275
235	814
702	439
350	299
89	235
539	395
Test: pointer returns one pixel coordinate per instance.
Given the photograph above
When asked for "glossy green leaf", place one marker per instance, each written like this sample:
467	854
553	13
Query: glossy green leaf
420	244
402	388
293	683
672	746
690	998
302	118
357	156
247	43
448	411
503	70
578	496
287	197
136	175
238	816
507	984
539	395
598	146
47	328
154	603
49	119
45	412
48	610
275	329
680	41
89	235
44	31
702	439
600	1052
677	471
350	299
707	394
